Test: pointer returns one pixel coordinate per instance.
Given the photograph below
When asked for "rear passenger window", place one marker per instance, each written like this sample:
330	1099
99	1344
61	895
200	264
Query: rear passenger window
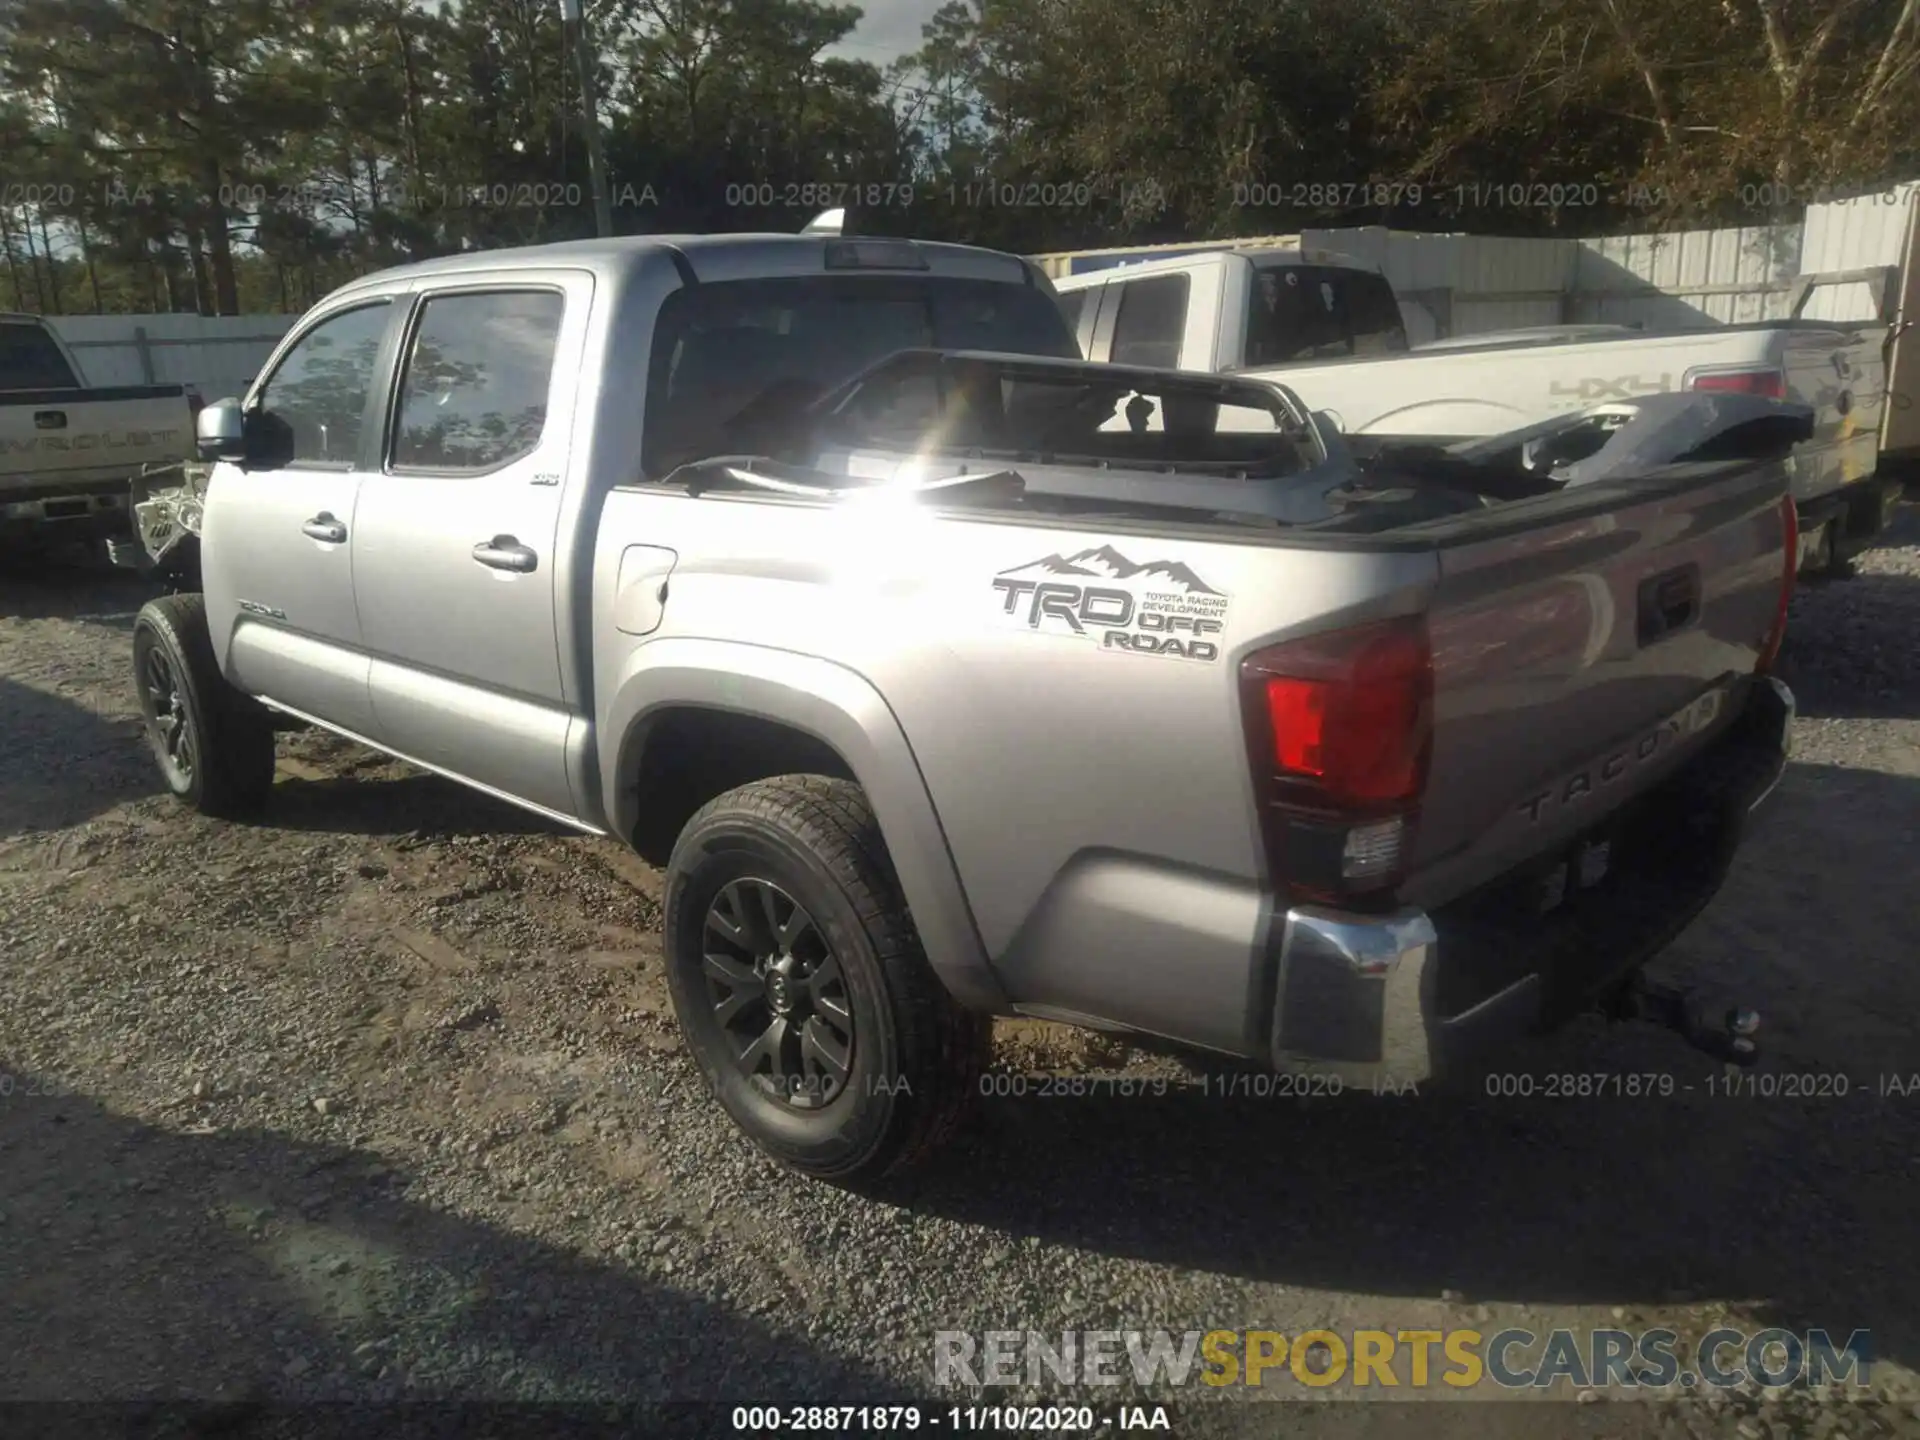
473	392
1151	320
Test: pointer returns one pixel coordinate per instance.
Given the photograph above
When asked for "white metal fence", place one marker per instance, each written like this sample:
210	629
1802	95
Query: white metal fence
218	354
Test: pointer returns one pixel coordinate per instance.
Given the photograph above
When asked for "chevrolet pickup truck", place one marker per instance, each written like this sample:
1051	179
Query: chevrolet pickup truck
68	454
1331	328
811	569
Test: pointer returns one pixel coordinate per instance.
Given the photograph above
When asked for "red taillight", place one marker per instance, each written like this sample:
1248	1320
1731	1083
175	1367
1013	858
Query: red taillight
1339	733
1349	716
1790	524
1771	384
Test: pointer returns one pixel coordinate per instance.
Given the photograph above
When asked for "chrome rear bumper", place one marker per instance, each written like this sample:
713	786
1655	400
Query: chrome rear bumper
1361	997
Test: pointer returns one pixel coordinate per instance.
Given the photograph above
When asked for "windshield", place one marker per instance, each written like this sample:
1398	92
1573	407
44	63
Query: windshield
1313	312
734	362
29	360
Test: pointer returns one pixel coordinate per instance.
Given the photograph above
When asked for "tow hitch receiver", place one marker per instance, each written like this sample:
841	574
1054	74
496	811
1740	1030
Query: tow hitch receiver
1726	1032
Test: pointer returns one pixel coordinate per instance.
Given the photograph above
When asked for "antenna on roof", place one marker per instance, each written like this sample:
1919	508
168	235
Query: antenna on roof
827	222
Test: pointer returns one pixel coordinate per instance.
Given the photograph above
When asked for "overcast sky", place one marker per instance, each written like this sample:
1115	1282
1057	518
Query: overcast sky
889	29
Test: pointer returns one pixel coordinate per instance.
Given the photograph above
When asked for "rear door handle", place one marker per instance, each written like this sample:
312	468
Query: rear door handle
324	528
49	419
503	552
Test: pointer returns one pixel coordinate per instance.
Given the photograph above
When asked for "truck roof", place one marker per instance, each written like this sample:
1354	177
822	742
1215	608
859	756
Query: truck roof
737	254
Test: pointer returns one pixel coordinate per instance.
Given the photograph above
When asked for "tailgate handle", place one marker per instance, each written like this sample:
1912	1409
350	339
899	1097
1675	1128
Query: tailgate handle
1669	603
49	419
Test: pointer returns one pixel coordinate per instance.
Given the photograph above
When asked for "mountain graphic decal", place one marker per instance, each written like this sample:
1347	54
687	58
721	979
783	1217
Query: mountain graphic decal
1106	563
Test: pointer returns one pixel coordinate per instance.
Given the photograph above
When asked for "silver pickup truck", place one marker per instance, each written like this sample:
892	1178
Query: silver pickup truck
813	569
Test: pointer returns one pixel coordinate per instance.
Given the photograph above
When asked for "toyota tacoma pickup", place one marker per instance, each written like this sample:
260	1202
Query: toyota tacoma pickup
1330	328
813	570
69	454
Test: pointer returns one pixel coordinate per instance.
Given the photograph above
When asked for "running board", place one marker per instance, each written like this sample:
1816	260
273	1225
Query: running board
572	821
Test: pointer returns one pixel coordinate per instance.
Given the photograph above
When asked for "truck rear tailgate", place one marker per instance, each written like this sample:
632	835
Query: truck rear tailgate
1578	663
46	435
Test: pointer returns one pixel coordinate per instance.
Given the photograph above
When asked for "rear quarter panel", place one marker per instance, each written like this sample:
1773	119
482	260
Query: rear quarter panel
1095	800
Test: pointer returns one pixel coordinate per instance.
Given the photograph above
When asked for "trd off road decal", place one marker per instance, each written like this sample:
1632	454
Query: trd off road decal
1159	608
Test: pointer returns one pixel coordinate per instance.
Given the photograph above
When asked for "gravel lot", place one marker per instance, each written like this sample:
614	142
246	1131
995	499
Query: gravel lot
382	1098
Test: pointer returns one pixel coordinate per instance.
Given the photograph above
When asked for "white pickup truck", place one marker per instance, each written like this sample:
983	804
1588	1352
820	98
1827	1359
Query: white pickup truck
68	454
1330	328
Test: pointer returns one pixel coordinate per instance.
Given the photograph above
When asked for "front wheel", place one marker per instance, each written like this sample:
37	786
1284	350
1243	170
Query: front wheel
213	744
801	986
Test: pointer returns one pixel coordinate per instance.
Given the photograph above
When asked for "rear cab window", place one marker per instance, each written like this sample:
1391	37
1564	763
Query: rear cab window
975	406
1320	312
1150	323
31	360
733	360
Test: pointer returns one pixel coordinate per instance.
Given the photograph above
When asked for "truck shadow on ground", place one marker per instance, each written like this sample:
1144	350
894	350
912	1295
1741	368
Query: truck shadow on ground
100	763
246	1266
67	765
66	583
397	804
1802	1204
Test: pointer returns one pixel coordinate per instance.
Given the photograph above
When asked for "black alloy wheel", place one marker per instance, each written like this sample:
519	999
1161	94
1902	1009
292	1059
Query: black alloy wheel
778	994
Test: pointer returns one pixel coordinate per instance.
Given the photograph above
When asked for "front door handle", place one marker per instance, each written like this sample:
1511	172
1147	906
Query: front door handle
324	528
503	552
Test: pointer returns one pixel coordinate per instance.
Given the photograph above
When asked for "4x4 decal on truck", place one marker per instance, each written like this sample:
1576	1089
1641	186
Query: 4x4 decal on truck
1159	608
1592	389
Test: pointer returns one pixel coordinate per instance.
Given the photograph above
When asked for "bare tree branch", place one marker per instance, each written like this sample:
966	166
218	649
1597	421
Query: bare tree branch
1779	51
1884	68
1650	77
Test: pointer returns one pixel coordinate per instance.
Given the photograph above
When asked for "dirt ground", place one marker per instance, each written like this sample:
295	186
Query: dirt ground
381	1098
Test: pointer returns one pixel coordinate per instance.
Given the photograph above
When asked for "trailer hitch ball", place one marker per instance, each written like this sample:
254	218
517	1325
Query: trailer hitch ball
1730	1035
1742	1026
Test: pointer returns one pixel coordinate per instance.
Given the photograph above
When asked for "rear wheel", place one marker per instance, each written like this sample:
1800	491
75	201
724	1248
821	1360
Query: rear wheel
801	986
214	745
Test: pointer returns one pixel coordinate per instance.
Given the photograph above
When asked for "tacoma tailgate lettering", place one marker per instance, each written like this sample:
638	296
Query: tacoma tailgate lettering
1570	789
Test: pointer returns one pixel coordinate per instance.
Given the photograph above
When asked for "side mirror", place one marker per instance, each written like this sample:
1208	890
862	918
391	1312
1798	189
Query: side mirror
219	432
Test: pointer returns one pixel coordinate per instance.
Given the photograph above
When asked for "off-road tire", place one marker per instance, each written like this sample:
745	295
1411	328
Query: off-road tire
230	734
916	1057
